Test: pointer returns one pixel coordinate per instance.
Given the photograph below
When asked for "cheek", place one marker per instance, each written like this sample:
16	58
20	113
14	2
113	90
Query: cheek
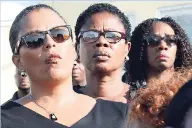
173	52
119	53
30	57
150	54
85	53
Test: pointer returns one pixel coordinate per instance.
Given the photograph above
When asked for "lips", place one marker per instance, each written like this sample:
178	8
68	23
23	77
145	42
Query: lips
162	56
101	56
52	58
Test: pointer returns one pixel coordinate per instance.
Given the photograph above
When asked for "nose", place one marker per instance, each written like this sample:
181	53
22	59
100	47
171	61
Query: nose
49	42
102	42
162	45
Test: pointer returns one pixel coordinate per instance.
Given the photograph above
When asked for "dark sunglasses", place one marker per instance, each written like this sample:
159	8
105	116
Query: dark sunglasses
36	39
93	35
154	40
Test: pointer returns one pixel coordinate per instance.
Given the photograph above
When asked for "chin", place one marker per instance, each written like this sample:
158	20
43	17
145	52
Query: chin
102	69
163	67
25	89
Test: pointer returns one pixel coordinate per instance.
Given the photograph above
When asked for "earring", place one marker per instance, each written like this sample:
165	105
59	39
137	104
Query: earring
75	63
23	73
126	58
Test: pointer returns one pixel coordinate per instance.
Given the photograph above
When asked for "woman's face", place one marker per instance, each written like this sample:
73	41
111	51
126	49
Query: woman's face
101	55
161	55
51	61
78	72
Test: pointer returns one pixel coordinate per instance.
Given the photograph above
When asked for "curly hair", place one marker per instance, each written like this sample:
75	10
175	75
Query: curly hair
98	8
16	26
137	66
150	106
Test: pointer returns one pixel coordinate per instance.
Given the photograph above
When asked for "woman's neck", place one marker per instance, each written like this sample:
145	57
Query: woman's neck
53	93
108	85
162	76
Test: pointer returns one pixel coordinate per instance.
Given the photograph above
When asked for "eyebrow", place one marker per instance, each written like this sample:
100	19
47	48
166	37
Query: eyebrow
163	36
38	31
31	32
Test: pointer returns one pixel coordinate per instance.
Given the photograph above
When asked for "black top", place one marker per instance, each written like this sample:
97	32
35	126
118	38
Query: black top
79	89
179	106
105	114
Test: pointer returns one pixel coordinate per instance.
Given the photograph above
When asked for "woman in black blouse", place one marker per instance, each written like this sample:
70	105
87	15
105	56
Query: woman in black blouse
42	47
102	35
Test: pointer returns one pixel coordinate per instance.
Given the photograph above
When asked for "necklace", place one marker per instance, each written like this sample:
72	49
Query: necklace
51	114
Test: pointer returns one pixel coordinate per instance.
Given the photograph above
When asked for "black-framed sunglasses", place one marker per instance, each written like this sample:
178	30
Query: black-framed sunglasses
91	36
154	40
37	38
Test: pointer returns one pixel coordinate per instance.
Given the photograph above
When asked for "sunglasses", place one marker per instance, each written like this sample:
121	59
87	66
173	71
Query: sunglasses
93	35
154	40
36	39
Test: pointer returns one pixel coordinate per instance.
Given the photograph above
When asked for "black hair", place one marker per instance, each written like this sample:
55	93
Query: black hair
98	8
16	26
179	106
138	64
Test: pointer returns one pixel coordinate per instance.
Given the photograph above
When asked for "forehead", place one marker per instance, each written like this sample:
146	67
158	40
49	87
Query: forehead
161	28
102	21
41	19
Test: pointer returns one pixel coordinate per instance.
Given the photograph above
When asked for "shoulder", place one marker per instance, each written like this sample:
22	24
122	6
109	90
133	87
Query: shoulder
113	108
7	112
8	105
111	114
15	115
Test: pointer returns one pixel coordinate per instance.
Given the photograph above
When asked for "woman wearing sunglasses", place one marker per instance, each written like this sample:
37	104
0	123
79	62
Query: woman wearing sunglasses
42	47
102	35
160	47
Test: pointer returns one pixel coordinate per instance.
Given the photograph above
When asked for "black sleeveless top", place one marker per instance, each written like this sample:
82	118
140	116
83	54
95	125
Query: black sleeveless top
105	114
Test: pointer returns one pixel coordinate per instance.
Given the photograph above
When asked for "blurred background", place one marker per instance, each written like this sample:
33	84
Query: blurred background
136	11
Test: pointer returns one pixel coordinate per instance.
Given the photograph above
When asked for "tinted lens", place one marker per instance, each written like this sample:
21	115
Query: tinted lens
90	36
60	34
153	40
34	40
113	36
170	39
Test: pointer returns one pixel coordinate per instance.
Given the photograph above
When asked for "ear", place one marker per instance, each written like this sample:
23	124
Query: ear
77	46
16	60
127	48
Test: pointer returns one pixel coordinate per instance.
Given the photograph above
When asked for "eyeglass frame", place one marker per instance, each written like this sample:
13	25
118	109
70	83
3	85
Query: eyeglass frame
176	37
20	42
123	35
